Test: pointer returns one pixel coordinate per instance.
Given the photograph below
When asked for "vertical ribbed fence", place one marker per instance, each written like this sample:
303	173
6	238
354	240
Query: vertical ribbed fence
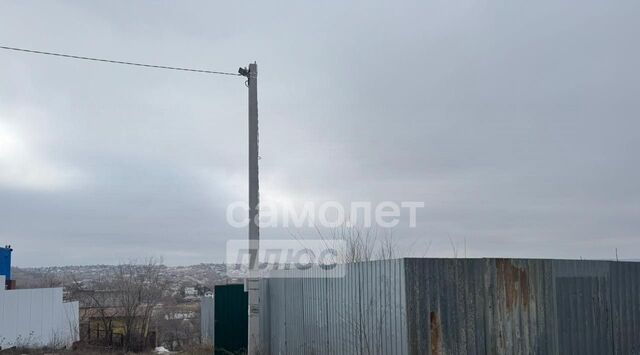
207	320
456	306
316	313
625	302
523	306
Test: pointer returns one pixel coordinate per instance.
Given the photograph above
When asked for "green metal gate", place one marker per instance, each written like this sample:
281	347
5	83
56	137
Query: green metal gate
231	324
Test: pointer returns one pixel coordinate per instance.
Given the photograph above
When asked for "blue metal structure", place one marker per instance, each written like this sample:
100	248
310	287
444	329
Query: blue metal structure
5	261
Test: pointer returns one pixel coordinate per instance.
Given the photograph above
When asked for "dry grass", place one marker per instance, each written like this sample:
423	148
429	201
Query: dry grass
196	350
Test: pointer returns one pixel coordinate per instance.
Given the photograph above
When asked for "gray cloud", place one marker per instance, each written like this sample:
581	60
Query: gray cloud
514	122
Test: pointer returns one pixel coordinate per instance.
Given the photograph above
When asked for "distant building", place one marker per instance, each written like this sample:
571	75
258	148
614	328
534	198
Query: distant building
194	292
190	291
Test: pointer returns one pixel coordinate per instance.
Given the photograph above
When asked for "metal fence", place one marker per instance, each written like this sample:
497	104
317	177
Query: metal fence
314	314
37	317
456	306
207	320
223	319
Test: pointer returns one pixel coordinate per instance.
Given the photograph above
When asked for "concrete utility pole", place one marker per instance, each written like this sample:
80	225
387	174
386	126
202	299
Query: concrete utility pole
253	282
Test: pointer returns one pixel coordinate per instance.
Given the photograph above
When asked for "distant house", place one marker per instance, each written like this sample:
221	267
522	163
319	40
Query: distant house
194	292
190	291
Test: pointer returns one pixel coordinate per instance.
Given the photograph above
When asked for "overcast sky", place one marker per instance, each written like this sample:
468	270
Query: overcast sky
517	123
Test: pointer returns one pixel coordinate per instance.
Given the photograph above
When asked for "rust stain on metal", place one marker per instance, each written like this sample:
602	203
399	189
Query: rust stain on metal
435	333
515	281
524	287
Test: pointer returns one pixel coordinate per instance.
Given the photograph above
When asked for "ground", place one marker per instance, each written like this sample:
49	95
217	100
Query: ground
96	351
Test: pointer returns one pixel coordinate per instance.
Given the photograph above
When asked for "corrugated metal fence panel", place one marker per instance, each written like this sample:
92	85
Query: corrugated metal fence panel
511	306
583	304
376	321
362	312
295	319
37	317
330	316
311	316
519	312
444	306
459	306
625	300
278	313
265	316
207	318
70	321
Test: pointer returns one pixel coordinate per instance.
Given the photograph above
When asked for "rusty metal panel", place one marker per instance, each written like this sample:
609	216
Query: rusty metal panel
513	306
444	306
530	306
458	306
519	316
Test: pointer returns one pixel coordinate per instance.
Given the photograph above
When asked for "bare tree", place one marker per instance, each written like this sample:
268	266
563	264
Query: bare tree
356	244
97	301
127	295
387	247
139	290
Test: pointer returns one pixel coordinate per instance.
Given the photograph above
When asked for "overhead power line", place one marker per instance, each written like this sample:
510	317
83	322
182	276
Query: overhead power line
119	61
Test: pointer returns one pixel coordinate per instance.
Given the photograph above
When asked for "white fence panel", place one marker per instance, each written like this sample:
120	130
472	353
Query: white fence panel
37	317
